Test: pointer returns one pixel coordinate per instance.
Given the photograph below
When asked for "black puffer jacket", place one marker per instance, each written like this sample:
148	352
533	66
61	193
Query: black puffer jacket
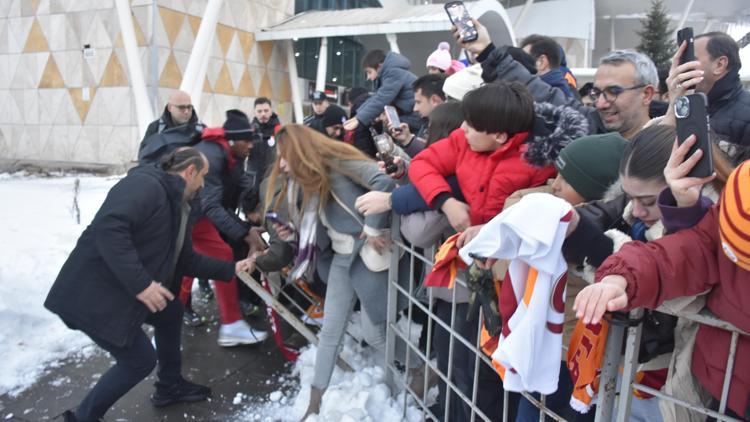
130	242
497	63
729	110
264	149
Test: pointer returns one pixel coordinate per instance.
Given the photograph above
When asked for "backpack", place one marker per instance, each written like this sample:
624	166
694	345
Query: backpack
156	145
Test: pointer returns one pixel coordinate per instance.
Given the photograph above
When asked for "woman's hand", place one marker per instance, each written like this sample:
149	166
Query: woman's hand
285	233
380	243
477	46
468	235
686	190
606	295
682	77
373	202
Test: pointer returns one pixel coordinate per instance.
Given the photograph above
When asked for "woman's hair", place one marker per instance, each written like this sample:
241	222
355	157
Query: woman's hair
444	119
310	156
646	155
182	158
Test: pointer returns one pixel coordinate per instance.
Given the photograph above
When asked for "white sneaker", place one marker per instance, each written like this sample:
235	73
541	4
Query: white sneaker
239	332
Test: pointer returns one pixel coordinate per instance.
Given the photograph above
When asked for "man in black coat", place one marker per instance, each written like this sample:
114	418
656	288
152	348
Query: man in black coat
124	271
182	127
264	144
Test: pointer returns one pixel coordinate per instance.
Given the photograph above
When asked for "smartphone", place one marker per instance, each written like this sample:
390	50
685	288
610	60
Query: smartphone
686	34
692	119
482	259
274	218
392	115
460	17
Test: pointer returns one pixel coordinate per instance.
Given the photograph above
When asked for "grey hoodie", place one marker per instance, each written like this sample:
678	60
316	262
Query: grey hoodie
393	86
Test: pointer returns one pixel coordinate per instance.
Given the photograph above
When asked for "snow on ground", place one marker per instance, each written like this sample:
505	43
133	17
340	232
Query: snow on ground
362	395
38	231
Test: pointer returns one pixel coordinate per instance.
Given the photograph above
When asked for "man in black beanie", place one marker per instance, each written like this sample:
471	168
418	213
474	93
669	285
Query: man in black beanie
226	149
332	122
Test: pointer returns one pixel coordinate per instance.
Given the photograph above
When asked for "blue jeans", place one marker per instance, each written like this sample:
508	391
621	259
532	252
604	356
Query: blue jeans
135	362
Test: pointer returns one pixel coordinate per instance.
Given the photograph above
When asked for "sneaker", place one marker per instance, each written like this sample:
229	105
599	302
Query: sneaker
182	391
192	319
239	332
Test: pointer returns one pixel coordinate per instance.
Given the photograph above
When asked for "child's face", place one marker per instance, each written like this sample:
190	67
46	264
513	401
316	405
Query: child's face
563	190
371	73
643	195
483	141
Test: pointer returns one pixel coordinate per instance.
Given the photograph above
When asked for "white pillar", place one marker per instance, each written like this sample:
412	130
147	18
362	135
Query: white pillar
612	33
294	82
143	109
685	14
196	92
393	42
320	80
200	51
522	15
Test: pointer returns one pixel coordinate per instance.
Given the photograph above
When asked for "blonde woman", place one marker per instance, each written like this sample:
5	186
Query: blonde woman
321	179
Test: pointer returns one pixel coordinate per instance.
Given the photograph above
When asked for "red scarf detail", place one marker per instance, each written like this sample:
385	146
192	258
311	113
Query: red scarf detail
216	135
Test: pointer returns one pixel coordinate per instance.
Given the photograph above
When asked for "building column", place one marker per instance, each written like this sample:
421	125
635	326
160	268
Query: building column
294	82
143	109
195	71
393	42
320	80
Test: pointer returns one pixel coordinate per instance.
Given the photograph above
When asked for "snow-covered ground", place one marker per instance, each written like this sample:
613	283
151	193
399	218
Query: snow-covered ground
37	232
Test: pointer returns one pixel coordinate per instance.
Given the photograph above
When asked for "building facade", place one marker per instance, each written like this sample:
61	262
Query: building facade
65	91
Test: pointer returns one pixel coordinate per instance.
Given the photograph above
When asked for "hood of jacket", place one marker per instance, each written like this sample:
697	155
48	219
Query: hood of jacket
554	128
395	60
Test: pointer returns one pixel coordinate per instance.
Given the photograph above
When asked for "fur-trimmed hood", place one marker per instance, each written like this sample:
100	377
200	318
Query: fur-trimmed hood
554	128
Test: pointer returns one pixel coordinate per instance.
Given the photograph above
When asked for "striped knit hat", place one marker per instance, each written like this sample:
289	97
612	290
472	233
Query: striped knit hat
734	217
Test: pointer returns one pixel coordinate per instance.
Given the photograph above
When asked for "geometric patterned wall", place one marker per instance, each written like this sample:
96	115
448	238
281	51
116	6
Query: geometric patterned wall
57	105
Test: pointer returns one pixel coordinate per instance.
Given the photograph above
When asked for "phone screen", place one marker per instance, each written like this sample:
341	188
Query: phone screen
460	17
392	115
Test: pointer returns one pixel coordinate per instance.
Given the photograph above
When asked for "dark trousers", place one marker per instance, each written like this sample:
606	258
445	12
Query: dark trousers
489	386
135	362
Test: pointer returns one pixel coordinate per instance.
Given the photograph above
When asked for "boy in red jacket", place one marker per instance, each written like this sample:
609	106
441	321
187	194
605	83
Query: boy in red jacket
485	154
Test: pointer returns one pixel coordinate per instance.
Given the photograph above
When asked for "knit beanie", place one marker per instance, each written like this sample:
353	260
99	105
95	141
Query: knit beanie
440	58
591	164
455	67
237	126
734	217
463	81
334	115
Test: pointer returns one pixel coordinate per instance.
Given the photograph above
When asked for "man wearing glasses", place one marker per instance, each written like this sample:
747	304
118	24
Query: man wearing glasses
178	111
624	85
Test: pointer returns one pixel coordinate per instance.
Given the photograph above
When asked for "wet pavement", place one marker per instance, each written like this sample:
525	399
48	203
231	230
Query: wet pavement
251	370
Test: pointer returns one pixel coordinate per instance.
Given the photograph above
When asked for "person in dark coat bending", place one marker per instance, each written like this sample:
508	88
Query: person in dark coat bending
123	272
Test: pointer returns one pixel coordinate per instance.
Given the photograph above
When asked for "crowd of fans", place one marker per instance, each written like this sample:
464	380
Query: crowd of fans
471	141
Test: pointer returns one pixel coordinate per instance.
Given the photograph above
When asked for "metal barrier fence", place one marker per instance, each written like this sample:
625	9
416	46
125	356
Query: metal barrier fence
611	404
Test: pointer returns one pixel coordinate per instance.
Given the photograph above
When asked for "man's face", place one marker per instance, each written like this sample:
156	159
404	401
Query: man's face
241	148
319	107
181	111
624	111
541	62
335	131
708	66
263	112
194	180
424	105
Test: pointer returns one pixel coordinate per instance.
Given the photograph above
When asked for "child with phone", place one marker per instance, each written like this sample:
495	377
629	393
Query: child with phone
393	84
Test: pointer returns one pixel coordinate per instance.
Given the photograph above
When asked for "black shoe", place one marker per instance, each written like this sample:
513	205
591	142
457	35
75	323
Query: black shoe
192	319
69	416
182	391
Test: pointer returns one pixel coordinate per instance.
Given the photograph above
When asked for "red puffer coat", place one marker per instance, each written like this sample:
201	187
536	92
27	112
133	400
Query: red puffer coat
685	264
486	179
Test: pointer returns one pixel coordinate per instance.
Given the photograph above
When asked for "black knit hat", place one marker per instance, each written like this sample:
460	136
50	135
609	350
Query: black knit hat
334	115
237	127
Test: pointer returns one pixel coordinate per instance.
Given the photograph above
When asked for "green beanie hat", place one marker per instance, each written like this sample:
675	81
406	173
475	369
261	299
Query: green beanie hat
590	164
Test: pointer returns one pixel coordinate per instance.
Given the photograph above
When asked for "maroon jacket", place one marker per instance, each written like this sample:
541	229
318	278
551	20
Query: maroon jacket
685	264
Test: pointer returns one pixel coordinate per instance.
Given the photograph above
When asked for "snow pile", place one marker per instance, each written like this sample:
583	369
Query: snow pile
362	395
38	232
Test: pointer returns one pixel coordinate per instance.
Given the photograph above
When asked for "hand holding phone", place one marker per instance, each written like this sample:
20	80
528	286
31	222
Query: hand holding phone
274	218
391	114
691	112
461	19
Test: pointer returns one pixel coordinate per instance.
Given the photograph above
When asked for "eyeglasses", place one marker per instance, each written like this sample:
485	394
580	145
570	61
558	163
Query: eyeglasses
183	107
610	92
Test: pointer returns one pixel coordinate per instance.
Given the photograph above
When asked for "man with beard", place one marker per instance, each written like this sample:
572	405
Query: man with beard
226	149
124	272
264	144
